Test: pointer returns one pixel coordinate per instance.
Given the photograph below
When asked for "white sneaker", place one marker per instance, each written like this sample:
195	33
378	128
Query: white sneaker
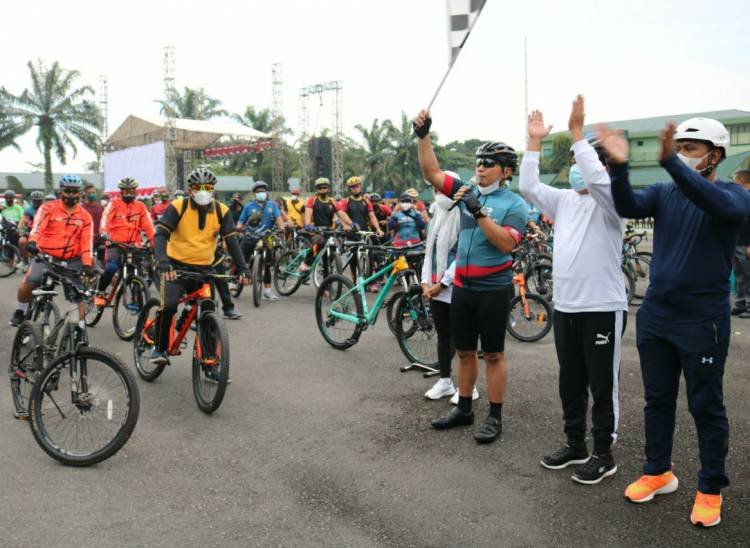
442	388
269	296
474	396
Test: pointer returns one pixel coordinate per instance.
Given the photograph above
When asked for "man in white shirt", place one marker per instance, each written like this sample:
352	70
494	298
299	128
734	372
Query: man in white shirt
590	301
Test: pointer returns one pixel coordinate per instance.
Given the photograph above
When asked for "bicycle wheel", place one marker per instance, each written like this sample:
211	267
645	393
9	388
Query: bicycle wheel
539	280
130	298
26	362
322	270
93	312
210	362
46	314
641	268
391	309
415	331
532	326
235	287
82	422
144	343
335	295
629	281
257	279
286	277
9	257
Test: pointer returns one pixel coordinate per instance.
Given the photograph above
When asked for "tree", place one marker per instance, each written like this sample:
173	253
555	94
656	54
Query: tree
62	113
193	104
560	157
378	150
10	129
405	165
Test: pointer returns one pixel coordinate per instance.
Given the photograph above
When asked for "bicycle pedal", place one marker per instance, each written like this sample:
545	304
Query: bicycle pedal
21	415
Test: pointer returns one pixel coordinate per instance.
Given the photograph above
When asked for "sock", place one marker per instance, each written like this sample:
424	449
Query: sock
464	403
23	307
496	410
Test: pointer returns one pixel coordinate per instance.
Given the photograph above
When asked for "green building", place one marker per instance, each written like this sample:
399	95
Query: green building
643	135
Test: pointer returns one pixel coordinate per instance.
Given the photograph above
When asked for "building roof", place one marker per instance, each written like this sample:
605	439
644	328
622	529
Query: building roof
35	181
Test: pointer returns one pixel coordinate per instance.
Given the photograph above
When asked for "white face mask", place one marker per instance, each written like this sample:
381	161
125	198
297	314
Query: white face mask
442	201
405	206
261	196
104	202
203	197
484	190
692	163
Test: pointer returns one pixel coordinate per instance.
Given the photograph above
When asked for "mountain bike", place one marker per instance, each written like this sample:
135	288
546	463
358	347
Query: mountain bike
529	315
9	253
82	402
636	263
286	275
210	357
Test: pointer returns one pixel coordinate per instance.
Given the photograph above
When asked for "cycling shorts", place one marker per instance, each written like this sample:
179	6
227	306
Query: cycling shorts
480	315
38	268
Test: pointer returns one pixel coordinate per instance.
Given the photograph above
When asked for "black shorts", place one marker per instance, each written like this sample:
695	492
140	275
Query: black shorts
480	315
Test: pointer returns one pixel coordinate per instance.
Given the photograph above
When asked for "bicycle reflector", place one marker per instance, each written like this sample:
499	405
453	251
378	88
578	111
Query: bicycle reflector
400	265
205	291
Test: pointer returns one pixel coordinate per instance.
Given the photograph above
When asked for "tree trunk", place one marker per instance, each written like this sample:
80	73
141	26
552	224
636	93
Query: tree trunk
48	167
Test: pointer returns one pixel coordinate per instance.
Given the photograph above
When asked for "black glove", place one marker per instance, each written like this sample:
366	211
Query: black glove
423	130
163	267
471	202
31	248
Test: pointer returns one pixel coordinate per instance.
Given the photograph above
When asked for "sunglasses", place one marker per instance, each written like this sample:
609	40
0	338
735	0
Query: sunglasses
322	188
71	190
127	192
204	186
487	162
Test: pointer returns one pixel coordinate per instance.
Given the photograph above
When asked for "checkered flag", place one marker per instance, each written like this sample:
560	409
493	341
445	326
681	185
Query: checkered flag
462	14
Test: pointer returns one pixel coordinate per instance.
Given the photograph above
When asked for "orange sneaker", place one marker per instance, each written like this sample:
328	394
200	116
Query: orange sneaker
647	487
706	510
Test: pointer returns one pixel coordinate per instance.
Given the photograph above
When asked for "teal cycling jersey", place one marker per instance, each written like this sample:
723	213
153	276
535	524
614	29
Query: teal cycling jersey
480	266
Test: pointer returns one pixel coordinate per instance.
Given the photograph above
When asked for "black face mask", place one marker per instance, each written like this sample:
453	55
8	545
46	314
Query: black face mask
128	199
9	202
36	203
70	201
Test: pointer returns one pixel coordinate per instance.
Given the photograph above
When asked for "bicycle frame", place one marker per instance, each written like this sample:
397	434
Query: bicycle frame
520	281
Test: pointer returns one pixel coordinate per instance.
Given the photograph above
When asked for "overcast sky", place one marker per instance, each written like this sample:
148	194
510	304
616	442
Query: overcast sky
631	59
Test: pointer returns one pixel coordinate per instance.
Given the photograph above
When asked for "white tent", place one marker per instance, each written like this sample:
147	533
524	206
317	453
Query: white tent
191	134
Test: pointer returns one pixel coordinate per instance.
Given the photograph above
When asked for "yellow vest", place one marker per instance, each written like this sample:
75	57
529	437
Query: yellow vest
294	215
191	244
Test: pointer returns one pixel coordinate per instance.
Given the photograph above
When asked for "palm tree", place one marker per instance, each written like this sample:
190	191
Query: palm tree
405	167
60	111
193	104
262	120
378	150
10	129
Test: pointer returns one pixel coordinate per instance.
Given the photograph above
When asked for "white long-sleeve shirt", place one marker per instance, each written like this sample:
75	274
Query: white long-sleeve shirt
588	235
447	280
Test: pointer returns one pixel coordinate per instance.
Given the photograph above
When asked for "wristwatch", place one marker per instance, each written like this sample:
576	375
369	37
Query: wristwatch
483	212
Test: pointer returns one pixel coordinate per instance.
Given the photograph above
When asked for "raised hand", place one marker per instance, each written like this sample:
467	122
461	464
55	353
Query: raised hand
577	116
668	145
536	127
614	143
422	123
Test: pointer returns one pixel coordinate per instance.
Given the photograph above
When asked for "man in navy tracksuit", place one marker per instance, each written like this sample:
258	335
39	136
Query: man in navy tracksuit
683	324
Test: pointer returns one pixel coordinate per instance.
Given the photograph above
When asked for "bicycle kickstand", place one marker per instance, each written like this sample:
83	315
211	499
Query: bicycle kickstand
429	371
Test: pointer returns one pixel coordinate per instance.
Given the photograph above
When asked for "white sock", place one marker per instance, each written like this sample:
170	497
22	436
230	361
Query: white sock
267	290
22	306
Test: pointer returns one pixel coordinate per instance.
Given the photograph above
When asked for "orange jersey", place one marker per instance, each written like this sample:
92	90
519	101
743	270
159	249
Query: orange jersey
63	234
124	222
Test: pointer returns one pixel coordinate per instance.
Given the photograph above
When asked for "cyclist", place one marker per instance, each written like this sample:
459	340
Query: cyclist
492	220
27	221
62	229
294	209
186	237
124	221
590	302
95	209
256	219
12	214
160	206
684	322
406	223
236	207
358	208
320	211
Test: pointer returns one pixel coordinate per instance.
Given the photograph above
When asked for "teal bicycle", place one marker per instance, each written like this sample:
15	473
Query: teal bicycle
343	313
286	275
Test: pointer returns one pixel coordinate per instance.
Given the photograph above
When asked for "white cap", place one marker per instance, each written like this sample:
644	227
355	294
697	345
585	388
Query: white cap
705	129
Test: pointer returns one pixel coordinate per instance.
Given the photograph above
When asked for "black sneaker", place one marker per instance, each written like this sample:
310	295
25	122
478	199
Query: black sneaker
737	310
595	469
564	457
456	417
159	357
17	318
745	314
232	314
489	431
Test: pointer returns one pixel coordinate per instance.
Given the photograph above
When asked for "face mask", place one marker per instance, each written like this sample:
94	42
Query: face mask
442	201
323	194
575	178
203	197
295	198
91	197
70	201
36	204
9	202
261	196
104	202
692	163
406	206
484	190
128	199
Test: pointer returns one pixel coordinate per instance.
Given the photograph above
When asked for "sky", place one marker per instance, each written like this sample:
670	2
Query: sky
630	59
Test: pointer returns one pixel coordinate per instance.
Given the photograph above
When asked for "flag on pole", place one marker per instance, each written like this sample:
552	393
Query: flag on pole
462	14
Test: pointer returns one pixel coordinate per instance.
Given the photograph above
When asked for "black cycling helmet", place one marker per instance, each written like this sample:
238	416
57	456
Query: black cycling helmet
128	183
260	185
504	154
375	197
201	175
9	194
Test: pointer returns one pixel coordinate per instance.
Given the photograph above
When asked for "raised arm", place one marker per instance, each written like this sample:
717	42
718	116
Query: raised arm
427	160
545	197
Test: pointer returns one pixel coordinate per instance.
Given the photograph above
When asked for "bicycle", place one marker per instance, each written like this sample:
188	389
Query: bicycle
529	315
104	402
286	275
636	263
9	252
343	314
127	294
210	359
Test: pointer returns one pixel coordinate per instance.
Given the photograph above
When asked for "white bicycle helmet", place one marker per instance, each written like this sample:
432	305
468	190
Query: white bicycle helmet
705	129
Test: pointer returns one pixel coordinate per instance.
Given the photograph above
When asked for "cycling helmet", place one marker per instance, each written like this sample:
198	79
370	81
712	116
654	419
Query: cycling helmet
70	181
412	192
50	198
322	181
260	185
201	175
504	154
375	197
354	181
707	130
406	195
37	195
179	193
593	140
9	194
128	183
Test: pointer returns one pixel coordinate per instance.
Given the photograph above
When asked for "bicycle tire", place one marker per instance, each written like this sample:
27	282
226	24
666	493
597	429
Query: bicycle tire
285	264
333	287
93	313
47	314
540	281
139	294
426	352
319	271
38	415
235	287
391	307
10	253
146	370
629	284
28	334
208	322
642	275
512	323
257	279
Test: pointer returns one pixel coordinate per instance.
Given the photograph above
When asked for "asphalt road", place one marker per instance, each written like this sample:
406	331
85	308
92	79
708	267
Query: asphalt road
318	447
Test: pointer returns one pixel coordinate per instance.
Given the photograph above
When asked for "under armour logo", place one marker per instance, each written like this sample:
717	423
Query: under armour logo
707	360
602	339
